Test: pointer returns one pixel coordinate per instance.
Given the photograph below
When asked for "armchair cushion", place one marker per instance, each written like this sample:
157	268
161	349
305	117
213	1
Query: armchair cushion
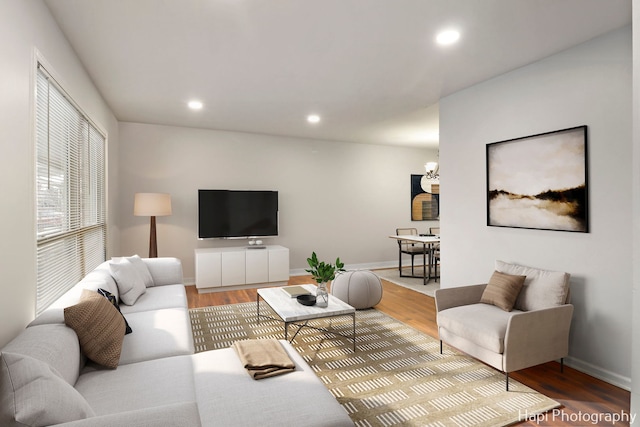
480	323
542	288
502	290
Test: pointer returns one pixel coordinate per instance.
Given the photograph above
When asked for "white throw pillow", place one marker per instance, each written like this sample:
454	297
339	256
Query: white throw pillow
31	394
130	284
142	270
542	288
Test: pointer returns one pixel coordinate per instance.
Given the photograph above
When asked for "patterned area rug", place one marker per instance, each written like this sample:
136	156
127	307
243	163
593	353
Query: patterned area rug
392	275
396	377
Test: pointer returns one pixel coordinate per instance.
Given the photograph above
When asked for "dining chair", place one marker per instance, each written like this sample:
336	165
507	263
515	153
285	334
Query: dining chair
435	251
406	247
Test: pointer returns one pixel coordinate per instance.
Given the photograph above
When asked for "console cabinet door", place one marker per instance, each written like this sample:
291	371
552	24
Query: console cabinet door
257	266
233	268
208	267
279	265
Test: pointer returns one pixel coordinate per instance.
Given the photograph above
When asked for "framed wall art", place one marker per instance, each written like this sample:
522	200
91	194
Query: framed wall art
425	199
539	181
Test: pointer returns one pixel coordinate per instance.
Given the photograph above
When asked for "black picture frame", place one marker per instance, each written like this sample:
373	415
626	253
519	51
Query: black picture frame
539	181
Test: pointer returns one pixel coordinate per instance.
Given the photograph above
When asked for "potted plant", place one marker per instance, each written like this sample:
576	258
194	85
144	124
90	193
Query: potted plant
322	273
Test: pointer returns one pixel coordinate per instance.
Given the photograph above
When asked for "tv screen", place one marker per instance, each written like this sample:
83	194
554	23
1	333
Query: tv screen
237	214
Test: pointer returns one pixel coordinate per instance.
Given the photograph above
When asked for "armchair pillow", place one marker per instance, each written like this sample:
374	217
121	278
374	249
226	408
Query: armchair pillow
542	288
502	290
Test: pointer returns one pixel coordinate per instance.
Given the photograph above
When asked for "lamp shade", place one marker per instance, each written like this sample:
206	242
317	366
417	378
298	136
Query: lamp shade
431	167
152	204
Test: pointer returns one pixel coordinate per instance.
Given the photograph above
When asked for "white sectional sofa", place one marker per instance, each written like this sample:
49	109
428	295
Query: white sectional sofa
159	381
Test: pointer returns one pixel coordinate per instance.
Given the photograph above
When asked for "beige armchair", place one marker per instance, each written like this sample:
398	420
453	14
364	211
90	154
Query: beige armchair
535	331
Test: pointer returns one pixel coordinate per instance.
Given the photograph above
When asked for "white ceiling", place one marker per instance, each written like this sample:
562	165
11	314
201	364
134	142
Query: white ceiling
369	68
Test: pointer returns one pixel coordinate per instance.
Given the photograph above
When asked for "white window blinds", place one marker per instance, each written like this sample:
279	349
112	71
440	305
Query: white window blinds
70	192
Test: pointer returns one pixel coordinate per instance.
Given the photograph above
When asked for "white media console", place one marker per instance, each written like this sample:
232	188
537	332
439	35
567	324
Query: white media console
220	269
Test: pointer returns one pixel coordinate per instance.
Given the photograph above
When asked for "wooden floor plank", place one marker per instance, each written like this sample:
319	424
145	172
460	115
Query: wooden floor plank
579	393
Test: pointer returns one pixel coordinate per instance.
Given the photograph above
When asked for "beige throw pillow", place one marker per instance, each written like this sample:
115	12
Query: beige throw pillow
502	290
99	326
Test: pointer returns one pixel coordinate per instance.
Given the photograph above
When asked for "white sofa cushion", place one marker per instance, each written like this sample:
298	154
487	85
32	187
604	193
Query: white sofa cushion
136	386
542	288
130	283
156	334
56	345
158	297
483	324
165	271
100	278
174	415
228	397
32	394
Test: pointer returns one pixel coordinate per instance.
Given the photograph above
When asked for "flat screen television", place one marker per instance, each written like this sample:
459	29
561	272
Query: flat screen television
237	214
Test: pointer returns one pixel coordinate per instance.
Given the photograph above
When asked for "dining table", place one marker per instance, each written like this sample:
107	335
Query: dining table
427	242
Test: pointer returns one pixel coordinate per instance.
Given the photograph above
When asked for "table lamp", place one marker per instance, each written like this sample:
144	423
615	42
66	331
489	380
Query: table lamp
152	205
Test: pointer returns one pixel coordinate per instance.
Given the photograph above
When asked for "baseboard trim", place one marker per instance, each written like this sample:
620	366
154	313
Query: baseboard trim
599	373
363	266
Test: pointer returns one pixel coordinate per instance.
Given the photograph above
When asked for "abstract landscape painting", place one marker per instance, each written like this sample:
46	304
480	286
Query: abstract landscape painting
539	181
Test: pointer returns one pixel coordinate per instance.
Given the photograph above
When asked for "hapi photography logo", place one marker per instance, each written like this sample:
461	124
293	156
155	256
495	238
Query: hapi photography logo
578	418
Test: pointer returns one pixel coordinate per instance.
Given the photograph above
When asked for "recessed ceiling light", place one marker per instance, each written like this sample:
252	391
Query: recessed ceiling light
313	118
195	105
447	37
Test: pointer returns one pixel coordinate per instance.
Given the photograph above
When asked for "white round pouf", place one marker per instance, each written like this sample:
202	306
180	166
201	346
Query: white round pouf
359	288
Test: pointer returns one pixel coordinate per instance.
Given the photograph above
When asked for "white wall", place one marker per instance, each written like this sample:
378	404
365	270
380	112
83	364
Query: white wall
24	27
635	341
339	199
587	85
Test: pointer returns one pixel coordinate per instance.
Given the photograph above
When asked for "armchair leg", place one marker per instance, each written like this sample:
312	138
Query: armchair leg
440	346
506	375
562	365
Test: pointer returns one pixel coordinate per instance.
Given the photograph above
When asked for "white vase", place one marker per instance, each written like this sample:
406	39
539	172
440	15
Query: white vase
322	296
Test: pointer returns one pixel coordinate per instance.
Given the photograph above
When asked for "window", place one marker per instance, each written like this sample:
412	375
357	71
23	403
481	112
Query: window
70	192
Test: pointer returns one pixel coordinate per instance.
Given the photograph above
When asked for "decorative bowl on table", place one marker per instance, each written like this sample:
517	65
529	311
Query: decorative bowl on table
306	299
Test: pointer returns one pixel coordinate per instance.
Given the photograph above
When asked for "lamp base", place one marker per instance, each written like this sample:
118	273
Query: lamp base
153	243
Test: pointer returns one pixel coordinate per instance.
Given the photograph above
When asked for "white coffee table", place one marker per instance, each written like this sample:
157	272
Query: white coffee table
290	311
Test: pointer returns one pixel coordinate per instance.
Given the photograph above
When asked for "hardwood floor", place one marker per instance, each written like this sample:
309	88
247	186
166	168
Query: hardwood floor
585	399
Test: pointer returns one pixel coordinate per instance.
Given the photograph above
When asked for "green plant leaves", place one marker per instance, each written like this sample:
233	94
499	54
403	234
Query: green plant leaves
322	271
